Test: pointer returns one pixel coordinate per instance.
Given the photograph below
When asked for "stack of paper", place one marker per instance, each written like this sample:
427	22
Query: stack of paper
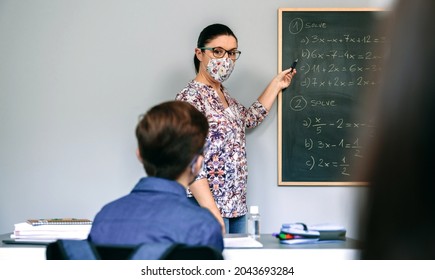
50	232
241	242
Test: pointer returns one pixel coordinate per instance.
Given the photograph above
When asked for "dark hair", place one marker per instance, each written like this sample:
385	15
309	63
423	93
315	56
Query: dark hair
169	136
208	34
401	198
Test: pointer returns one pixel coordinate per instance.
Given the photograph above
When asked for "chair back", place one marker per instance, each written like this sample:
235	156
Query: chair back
64	249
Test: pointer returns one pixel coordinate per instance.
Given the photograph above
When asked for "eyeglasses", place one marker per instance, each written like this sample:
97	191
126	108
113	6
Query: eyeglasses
219	52
203	151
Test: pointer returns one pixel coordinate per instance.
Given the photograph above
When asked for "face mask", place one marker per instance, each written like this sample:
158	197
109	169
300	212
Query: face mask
220	69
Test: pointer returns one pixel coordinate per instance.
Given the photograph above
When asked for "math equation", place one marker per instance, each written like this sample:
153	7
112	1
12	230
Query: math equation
321	117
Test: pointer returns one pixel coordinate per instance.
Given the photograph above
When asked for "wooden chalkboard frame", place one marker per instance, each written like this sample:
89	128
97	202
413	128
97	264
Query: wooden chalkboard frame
281	182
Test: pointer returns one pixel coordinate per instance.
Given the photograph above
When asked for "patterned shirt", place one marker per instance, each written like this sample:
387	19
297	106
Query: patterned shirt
225	161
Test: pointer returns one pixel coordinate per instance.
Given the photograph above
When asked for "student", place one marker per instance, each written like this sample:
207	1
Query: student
171	138
224	181
400	219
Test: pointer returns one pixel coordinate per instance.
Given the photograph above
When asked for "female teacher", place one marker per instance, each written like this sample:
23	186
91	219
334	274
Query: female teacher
221	186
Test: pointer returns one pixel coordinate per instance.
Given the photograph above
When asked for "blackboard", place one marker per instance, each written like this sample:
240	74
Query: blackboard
339	54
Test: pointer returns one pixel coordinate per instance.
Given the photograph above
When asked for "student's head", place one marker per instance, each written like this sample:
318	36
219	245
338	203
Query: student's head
170	135
210	33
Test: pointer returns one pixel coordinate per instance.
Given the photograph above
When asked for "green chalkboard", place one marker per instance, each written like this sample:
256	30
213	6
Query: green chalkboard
338	54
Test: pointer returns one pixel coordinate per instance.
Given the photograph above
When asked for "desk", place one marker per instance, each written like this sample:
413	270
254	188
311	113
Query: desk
21	252
271	250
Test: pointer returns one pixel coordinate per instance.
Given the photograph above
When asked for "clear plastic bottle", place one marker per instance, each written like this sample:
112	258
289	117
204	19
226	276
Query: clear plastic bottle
254	222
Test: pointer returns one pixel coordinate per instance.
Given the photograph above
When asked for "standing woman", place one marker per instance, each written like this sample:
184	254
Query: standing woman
221	186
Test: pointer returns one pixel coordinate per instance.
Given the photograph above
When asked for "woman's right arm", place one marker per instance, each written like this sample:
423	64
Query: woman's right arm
204	197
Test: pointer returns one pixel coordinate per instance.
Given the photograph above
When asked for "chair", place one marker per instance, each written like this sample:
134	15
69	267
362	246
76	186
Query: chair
64	249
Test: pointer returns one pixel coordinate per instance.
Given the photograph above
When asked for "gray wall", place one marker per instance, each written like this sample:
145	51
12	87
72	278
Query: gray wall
75	75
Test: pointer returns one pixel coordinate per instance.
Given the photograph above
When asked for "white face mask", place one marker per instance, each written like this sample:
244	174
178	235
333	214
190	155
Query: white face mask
220	69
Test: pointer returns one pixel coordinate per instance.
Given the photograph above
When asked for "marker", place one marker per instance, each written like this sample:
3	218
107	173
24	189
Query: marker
284	236
294	65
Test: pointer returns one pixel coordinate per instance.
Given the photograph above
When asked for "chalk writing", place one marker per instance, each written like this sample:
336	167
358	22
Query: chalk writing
339	58
331	68
334	54
367	39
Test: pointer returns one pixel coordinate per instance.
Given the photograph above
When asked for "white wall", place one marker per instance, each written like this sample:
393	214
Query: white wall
75	75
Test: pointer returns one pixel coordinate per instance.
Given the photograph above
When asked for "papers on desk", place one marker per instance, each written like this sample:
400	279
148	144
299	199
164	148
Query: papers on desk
241	242
48	233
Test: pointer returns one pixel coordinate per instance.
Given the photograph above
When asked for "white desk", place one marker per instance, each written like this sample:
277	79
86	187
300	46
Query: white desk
271	250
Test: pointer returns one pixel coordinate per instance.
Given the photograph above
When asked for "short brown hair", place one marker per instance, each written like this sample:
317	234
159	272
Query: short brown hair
169	136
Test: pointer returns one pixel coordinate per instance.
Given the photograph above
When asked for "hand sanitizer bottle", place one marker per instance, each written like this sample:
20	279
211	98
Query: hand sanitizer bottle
254	222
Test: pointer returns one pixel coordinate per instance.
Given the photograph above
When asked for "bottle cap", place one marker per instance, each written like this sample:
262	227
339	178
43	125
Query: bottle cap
253	210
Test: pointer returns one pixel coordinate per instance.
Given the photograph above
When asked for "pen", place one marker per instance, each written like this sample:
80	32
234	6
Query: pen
294	65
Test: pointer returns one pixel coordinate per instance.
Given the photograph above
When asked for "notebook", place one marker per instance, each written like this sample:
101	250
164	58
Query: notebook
59	221
27	241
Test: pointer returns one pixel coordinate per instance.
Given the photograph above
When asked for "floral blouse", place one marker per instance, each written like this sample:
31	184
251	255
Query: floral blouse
226	167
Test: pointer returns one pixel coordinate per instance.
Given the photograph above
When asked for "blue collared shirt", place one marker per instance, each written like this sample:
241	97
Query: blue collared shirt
156	210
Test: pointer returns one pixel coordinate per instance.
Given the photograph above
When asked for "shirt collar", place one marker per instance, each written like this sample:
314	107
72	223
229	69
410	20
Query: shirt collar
159	185
211	92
